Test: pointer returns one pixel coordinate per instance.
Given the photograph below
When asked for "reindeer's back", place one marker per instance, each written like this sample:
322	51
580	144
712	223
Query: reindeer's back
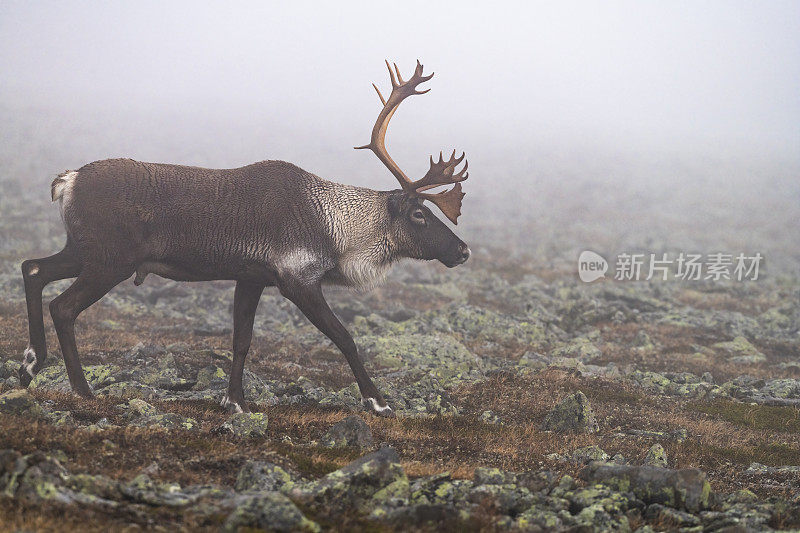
130	211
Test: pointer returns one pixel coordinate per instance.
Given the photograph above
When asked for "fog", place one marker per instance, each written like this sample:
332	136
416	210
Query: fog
549	100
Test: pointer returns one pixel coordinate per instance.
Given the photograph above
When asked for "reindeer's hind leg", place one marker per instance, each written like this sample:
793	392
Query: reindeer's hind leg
245	302
37	273
91	285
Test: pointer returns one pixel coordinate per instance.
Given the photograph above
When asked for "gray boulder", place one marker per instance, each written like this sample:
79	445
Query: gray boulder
268	511
165	421
352	431
685	489
20	402
656	456
263	476
353	484
573	414
246	425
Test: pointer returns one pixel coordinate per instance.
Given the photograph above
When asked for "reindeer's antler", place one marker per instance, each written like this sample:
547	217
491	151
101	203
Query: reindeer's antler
440	173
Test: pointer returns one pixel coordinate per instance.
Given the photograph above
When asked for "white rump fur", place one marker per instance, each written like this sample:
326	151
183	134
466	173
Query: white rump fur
61	188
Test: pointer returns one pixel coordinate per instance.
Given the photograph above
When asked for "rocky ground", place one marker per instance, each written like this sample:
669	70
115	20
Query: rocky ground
526	400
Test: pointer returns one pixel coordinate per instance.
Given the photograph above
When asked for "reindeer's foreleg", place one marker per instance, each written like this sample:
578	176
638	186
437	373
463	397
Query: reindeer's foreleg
310	300
245	302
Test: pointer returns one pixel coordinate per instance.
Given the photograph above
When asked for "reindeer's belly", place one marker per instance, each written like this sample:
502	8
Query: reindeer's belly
251	271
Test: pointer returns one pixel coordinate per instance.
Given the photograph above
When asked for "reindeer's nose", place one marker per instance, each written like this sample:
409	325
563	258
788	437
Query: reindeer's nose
463	249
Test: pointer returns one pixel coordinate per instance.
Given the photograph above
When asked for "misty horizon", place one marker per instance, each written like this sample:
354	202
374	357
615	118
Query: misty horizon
619	78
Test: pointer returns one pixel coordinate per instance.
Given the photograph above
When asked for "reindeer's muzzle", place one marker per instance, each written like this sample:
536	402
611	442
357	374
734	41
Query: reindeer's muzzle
459	257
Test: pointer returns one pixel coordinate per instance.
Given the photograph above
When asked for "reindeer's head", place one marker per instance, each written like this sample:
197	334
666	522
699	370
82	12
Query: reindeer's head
418	233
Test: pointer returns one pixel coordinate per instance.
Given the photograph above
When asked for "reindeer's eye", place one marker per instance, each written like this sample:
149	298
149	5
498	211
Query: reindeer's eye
418	217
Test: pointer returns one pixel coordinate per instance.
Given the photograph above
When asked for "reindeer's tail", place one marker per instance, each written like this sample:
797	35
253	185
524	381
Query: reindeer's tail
61	184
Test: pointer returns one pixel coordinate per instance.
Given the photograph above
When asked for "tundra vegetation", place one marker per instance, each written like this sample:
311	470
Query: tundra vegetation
525	398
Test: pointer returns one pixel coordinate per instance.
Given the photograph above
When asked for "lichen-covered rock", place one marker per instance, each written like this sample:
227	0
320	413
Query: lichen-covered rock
353	484
758	468
484	324
166	421
8	369
441	353
127	390
504	499
137	407
20	402
678	435
95	487
142	489
246	425
656	456
348	397
681	489
588	454
539	518
439	489
424	395
37	477
470	322
161	375
651	381
669	517
740	350
11	382
268	511
784	388
595	508
573	414
581	349
55	377
493	476
43	479
210	377
424	516
610	500
263	476
352	431
395	494
59	418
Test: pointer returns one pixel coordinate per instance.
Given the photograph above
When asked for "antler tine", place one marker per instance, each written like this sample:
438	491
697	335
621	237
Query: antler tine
443	172
401	90
383	100
399	77
391	74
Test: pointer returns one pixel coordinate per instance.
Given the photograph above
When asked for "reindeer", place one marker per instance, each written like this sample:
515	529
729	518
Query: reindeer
269	224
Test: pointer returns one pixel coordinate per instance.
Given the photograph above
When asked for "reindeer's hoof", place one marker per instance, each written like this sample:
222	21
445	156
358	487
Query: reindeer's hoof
24	378
232	406
375	406
26	372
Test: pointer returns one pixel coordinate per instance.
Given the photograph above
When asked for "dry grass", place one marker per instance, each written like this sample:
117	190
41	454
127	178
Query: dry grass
723	440
724	437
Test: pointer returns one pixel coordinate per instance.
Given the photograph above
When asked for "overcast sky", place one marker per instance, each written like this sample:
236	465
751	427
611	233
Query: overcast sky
294	78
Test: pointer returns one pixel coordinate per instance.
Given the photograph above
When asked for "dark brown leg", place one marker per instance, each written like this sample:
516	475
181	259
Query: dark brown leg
37	273
90	286
245	303
311	301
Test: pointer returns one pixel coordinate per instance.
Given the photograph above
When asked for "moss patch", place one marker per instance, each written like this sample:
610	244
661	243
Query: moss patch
784	419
